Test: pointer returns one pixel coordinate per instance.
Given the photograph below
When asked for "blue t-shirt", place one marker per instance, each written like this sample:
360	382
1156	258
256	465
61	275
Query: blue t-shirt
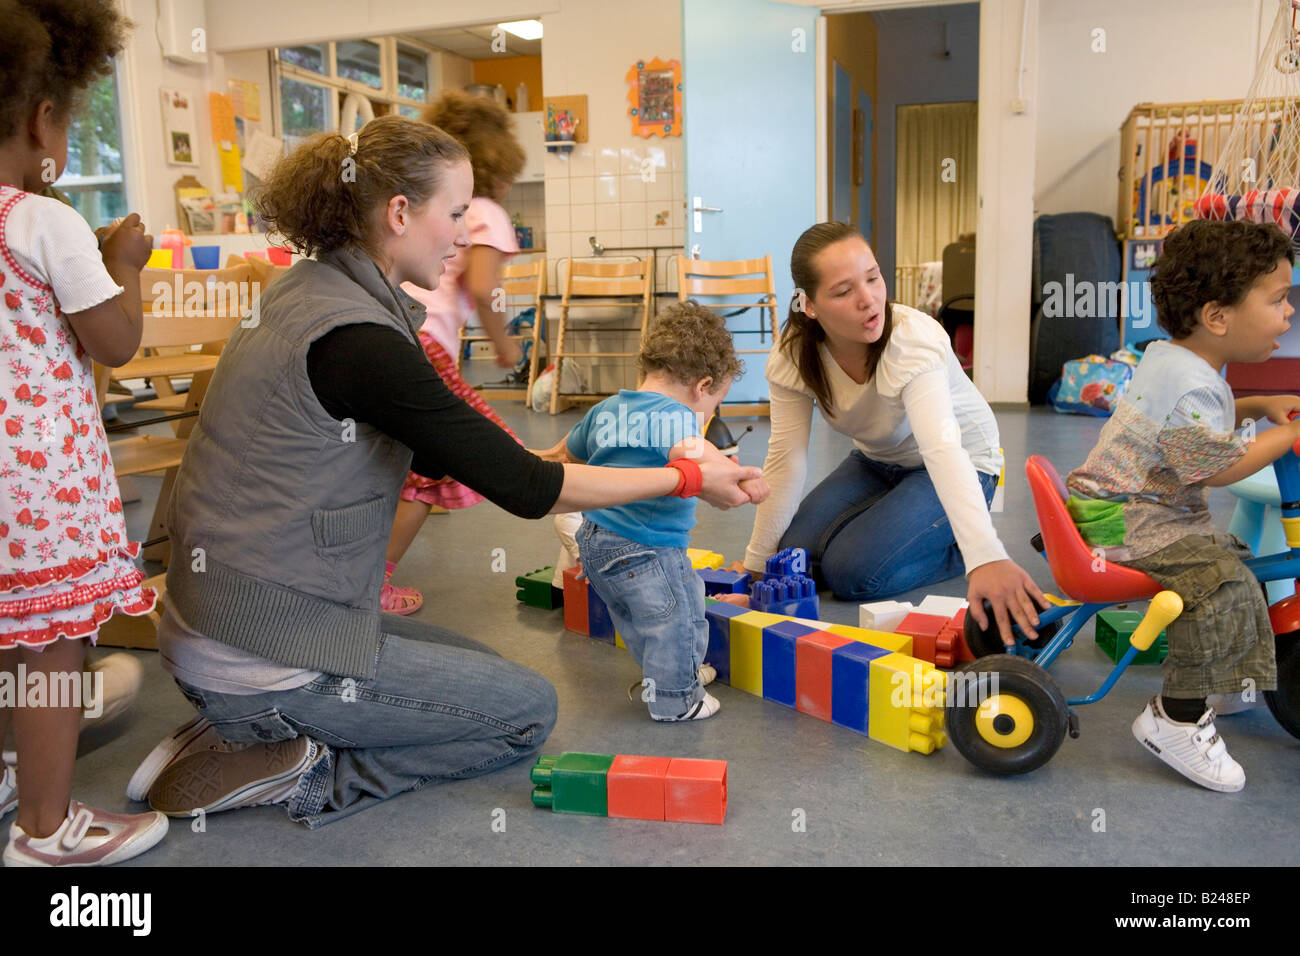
637	430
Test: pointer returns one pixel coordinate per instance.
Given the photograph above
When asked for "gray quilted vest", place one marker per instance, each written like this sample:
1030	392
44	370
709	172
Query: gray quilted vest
280	513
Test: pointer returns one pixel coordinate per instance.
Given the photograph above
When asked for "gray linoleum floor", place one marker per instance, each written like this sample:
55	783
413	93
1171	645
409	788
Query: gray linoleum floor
864	803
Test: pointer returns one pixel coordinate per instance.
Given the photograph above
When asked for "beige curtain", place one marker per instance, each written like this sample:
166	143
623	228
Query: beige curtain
937	196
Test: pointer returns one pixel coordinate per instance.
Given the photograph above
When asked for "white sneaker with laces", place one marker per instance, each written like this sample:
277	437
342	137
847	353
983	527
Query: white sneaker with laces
1194	750
217	780
88	837
708	674
8	790
706	708
193	736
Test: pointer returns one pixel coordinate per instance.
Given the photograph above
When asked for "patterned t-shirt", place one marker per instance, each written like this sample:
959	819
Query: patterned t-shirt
1141	488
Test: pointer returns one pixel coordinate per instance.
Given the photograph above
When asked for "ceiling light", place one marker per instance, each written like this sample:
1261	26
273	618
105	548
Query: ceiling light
524	29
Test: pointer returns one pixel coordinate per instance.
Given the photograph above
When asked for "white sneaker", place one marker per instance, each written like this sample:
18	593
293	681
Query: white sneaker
1194	750
1224	704
705	709
194	736
8	791
88	837
217	780
708	674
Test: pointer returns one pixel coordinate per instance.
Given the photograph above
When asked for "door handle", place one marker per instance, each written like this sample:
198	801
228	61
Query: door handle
697	210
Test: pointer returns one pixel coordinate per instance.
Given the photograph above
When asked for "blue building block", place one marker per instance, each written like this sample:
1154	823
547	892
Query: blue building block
789	596
719	615
851	684
779	660
722	581
599	624
788	562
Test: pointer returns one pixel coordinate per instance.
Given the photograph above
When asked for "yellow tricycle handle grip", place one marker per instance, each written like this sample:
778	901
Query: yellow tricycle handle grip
1165	606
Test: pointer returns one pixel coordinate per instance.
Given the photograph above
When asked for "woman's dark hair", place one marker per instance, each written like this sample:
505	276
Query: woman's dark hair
689	342
1210	261
53	50
482	126
321	196
801	335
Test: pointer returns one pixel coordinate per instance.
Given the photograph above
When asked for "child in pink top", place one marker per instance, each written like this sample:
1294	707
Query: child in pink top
66	564
466	288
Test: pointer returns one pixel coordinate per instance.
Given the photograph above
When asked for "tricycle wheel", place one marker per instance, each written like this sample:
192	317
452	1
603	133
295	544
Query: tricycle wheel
984	642
1285	701
1005	716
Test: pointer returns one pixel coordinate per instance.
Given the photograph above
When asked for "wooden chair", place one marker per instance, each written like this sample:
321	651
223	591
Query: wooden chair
526	281
730	278
630	283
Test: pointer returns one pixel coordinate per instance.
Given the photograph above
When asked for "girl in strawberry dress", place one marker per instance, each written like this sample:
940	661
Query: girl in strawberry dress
66	565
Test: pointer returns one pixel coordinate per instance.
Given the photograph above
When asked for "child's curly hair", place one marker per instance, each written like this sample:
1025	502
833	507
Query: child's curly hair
52	50
1211	261
483	127
689	342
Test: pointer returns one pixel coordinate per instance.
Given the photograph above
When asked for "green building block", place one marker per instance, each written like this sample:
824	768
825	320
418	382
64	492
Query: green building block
535	589
1114	628
573	783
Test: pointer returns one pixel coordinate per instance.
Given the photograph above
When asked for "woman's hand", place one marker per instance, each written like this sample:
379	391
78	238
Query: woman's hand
722	480
1009	589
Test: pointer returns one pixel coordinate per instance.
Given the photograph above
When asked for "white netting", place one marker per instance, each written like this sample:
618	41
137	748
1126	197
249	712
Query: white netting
1257	173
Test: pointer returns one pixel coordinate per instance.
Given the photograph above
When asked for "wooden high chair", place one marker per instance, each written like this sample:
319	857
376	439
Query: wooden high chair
629	283
526	281
728	278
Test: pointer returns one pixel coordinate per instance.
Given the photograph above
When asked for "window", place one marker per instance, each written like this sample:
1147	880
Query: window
314	82
93	178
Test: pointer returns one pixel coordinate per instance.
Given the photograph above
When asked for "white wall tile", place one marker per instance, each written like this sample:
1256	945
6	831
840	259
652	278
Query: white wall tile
607	219
632	238
607	189
677	210
632	215
582	161
557	192
609	161
659	235
557	218
582	217
631	189
582	190
658	214
556	166
661	187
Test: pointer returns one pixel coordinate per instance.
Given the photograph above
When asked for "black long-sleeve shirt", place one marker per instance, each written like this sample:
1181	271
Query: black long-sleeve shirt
373	374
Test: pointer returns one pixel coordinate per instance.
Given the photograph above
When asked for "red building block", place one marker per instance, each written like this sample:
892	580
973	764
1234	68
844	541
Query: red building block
813	667
950	646
575	601
695	791
636	787
923	629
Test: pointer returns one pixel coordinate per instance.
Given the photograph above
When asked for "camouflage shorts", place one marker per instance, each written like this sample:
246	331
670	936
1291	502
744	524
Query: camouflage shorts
1223	637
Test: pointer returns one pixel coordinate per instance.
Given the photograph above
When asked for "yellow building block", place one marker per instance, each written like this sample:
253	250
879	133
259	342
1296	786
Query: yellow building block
899	643
618	640
906	704
704	558
747	649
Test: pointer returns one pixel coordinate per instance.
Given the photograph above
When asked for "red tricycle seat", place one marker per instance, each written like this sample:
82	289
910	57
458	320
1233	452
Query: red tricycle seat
1069	557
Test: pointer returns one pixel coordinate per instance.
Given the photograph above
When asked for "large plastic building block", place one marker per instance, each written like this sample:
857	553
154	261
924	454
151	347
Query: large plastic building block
704	558
851	684
813	654
636	787
942	605
899	643
747	650
695	791
779	667
789	596
923	629
535	589
575	600
1114	628
950	648
905	704
722	581
719	615
599	624
883	615
788	562
572	783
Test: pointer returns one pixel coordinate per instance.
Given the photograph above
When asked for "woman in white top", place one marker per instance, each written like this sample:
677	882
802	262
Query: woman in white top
909	506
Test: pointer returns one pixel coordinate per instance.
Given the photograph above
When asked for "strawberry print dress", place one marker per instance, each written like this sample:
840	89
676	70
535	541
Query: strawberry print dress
65	562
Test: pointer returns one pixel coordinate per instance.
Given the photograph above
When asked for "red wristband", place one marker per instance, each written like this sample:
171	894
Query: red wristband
692	480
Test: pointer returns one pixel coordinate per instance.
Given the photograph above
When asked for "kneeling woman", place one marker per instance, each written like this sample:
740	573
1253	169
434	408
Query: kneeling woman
909	506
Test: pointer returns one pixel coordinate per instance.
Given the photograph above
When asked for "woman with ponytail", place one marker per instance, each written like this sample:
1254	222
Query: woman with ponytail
909	506
307	695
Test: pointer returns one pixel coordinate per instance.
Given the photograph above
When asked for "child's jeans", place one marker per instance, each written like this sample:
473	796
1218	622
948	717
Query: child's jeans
656	600
1223	639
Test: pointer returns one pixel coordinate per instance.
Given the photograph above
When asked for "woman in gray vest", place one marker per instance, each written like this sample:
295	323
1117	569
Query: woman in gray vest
323	400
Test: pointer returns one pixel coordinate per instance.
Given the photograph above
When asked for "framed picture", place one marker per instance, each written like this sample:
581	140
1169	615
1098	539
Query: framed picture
655	97
180	131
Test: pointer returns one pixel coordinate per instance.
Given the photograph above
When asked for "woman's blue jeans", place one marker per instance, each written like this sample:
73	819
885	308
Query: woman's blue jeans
440	707
874	530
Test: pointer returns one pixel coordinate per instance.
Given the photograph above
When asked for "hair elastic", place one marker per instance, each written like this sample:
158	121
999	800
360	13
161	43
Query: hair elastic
352	142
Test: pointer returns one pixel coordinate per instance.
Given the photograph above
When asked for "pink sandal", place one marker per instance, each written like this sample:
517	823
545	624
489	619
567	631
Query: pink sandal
395	600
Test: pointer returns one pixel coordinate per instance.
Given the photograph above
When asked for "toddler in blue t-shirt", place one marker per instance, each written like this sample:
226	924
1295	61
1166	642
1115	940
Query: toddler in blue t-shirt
635	555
